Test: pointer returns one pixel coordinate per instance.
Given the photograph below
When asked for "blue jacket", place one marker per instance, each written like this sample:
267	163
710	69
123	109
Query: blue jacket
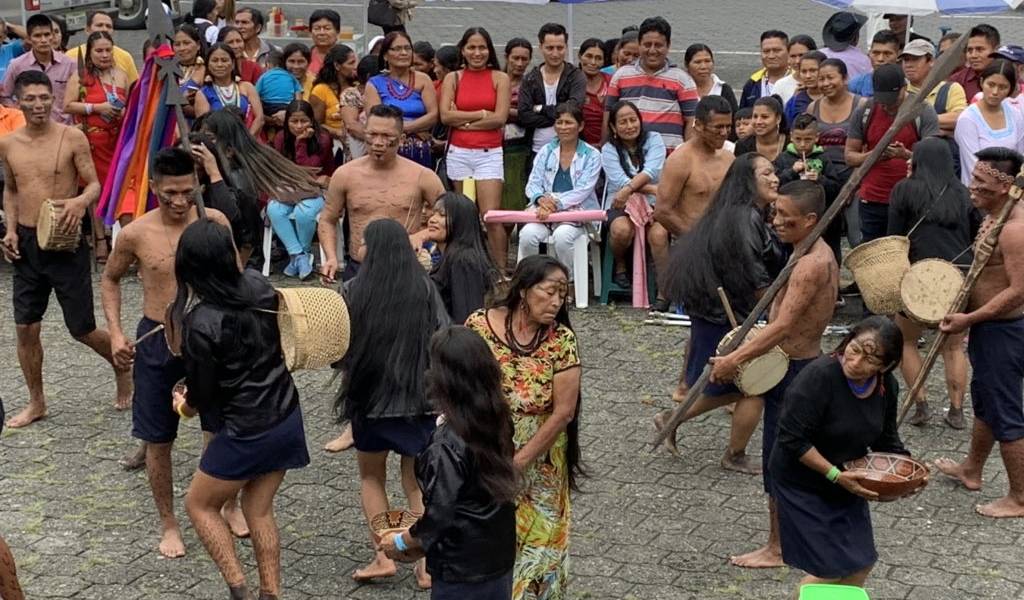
616	178
585	170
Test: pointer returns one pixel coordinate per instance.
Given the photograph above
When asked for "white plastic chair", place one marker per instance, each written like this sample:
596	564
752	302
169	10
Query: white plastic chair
580	252
267	239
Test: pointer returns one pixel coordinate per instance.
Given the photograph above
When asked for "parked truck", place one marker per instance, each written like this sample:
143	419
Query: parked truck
73	12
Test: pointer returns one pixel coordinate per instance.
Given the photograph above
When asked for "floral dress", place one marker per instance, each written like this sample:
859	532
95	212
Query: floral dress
542	509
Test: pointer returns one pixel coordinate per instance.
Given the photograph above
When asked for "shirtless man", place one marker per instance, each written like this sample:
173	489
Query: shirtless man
995	316
689	181
44	160
151	240
796	322
380	185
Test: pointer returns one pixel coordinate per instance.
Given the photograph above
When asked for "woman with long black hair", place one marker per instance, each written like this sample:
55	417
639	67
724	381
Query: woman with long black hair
237	378
394	309
468	527
935	209
466	274
730	247
336	75
530	335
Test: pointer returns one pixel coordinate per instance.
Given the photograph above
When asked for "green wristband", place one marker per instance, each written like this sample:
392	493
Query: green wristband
833	474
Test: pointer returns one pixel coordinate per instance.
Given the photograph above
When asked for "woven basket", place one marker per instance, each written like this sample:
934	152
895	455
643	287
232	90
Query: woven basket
314	327
391	521
878	267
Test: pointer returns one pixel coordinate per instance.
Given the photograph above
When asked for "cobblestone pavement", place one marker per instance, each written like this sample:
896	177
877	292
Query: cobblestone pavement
646	525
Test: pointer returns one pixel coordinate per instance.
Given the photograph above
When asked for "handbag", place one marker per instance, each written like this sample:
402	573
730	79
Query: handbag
382	14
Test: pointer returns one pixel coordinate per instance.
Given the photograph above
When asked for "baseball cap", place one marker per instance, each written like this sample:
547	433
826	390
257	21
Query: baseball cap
918	48
887	81
1013	54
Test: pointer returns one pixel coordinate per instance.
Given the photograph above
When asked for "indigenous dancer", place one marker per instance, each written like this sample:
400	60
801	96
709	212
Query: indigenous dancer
797	320
839	407
45	160
236	377
151	241
395	308
730	247
468	527
995	316
530	335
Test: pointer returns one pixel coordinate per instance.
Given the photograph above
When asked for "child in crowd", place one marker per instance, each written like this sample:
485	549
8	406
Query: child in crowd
277	87
744	122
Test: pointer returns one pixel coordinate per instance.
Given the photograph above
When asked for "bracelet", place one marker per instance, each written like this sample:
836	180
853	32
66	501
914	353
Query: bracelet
88	108
400	544
833	474
181	413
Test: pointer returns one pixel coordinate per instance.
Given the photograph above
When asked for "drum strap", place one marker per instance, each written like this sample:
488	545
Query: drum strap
928	211
56	163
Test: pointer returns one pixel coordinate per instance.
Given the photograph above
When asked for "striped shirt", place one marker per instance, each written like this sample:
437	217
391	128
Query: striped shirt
665	99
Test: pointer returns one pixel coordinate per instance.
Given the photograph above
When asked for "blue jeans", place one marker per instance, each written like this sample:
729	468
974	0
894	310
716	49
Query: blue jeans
295	224
874	220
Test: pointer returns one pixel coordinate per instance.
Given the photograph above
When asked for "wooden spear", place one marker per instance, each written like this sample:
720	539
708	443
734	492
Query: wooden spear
949	62
982	253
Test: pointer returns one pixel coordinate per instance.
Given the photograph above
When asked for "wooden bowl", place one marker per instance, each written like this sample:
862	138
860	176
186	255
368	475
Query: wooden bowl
891	476
390	522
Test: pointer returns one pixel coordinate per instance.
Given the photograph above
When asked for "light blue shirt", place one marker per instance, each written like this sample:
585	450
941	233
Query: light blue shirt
8	52
585	170
862	85
616	178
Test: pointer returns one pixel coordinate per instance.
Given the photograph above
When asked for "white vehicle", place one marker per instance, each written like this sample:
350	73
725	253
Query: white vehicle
73	12
132	13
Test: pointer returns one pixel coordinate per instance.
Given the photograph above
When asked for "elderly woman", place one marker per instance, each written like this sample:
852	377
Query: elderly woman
564	175
530	335
839	407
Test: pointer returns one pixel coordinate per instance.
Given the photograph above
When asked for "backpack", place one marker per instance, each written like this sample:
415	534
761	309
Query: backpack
865	119
942	98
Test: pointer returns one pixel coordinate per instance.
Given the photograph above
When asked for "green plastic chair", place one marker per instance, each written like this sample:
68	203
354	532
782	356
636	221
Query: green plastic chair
824	591
608	269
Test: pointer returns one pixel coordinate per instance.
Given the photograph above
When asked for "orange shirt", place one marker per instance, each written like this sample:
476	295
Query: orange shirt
10	119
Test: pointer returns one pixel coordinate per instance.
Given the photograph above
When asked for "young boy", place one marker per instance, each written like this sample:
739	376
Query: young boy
277	87
744	122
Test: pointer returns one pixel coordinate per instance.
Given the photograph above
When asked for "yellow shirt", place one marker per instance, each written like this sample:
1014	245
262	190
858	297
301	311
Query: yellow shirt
307	86
122	59
332	105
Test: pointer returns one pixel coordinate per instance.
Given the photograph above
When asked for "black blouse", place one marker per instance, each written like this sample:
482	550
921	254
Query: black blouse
932	239
245	390
820	411
467	535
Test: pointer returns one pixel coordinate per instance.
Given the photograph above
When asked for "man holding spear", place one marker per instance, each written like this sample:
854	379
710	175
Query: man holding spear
995	316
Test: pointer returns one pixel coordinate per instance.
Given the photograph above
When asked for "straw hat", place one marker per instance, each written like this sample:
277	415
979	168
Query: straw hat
314	327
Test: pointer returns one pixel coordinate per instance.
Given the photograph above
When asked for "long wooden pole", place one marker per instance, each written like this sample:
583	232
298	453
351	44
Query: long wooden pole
982	253
950	61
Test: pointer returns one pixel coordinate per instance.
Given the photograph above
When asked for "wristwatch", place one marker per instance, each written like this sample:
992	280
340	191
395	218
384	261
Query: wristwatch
538	107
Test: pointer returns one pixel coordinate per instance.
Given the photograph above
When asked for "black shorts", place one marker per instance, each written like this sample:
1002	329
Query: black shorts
406	436
38	272
996	350
155	373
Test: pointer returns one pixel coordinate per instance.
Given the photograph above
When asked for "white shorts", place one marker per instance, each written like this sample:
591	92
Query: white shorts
465	163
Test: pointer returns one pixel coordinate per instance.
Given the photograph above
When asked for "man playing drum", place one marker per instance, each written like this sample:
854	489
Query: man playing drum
995	316
152	240
47	160
796	322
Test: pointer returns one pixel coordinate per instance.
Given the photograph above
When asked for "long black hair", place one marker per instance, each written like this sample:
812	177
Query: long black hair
720	250
613	135
391	307
934	191
328	73
235	76
890	339
465	243
492	54
313	142
529	272
206	270
464	384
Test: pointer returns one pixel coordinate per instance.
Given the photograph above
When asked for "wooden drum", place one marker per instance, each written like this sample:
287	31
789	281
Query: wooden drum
49	234
929	289
760	374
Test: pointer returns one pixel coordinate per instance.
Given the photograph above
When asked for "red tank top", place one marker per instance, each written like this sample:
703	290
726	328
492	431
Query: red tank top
476	92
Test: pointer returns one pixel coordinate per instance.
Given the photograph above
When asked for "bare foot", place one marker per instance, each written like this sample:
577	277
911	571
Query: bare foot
741	463
669	444
342	442
134	460
765	557
956	470
380	567
423	579
125	387
171	545
730	408
236	520
1003	508
28	415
